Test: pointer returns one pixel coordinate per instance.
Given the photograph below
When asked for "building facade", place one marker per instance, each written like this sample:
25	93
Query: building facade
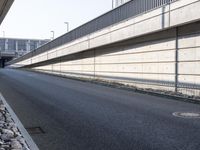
19	46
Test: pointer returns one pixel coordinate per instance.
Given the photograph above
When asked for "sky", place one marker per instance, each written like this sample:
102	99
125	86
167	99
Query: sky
35	19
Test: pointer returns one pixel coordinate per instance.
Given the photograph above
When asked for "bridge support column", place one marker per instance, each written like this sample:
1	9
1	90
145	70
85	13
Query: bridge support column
2	63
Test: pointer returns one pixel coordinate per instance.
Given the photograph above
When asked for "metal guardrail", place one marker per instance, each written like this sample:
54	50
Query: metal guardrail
126	11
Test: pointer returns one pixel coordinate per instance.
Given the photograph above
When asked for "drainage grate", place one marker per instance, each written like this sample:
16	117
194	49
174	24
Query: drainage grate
35	130
187	114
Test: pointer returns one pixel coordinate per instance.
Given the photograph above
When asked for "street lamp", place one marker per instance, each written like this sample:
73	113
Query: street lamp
112	4
3	34
53	34
67	23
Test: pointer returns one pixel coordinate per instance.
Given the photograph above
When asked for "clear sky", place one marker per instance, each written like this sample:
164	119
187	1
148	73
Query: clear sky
36	18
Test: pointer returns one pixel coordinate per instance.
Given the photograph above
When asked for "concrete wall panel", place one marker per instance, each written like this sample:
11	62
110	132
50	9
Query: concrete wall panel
189	68
190	54
156	56
190	80
187	11
140	51
189	41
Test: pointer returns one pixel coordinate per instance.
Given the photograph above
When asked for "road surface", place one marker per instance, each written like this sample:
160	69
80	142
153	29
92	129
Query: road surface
77	115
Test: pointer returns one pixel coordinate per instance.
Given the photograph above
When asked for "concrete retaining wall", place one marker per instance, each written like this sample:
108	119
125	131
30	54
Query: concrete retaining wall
145	62
174	14
158	50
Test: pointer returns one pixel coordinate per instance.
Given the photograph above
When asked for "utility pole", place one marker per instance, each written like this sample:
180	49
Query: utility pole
3	34
53	34
112	4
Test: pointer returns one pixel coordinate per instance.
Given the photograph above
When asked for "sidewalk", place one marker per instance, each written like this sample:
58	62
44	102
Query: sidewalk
10	135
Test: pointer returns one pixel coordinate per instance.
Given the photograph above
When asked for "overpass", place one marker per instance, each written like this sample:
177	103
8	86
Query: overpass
144	43
14	47
4	8
5	57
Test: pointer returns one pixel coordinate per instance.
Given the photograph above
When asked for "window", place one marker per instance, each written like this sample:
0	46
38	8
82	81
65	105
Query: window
11	45
22	45
2	44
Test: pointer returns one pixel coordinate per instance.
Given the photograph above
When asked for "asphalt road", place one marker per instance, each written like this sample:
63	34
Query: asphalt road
78	115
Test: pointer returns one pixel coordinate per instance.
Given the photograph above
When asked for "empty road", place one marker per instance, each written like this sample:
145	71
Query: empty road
75	115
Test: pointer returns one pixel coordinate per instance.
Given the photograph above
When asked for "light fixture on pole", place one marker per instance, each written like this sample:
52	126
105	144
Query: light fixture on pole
67	23
112	4
3	34
53	34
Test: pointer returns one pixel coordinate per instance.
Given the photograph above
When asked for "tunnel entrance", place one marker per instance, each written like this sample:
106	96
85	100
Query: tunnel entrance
3	61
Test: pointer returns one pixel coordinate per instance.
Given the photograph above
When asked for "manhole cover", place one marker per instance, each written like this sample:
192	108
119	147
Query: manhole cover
187	114
35	130
31	75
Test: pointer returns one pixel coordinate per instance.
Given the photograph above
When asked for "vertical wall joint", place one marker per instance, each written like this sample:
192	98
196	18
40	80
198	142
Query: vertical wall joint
176	61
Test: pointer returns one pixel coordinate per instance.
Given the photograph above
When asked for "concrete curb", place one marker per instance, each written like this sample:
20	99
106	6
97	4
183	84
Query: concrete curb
124	87
20	126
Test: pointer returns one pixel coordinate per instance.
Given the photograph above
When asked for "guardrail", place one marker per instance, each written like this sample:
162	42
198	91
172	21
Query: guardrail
124	12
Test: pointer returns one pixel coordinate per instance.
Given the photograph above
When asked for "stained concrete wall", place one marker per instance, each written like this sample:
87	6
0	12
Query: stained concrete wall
145	62
158	50
189	59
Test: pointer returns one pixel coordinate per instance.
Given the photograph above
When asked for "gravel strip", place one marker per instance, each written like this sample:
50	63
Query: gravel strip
10	136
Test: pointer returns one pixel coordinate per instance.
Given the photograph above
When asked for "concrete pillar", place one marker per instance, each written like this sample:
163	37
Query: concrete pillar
1	63
6	44
28	46
16	45
38	44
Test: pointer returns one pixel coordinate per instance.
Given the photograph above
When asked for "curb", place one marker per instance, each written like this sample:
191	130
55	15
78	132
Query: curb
20	126
124	87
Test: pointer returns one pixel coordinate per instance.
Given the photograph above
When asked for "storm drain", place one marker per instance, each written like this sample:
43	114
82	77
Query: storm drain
35	130
187	114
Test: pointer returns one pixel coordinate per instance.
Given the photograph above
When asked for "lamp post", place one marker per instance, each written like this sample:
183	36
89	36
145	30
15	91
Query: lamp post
53	34
3	34
112	4
67	23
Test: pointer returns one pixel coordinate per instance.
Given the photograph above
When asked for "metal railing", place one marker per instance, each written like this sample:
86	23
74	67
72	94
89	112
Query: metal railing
124	12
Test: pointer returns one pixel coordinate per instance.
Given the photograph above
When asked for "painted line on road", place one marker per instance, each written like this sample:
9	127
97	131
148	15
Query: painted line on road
20	126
